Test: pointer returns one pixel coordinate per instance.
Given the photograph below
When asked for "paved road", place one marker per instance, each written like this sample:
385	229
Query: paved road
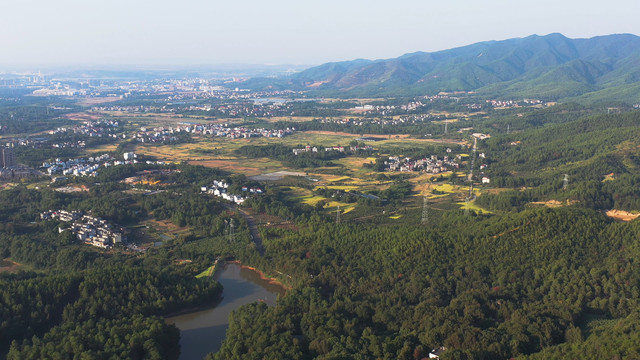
253	228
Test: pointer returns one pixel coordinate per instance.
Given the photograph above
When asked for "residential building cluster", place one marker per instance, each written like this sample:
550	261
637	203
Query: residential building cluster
220	188
88	229
400	120
7	157
430	164
514	103
389	109
90	128
85	166
217	130
124	108
315	149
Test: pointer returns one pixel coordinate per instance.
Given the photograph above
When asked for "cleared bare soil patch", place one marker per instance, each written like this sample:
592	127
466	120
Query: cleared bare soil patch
622	215
7	265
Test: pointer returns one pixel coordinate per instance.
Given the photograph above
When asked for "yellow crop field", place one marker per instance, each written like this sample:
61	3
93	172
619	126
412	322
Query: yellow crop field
354	163
448	188
342	187
344	207
342	178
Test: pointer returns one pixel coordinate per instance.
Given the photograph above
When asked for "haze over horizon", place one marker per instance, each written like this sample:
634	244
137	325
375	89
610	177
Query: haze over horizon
198	32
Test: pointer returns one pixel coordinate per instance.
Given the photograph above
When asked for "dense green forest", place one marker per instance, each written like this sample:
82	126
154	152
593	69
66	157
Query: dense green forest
484	287
522	280
30	119
285	154
79	302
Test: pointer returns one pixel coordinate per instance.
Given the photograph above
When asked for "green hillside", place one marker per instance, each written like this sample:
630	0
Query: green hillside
551	67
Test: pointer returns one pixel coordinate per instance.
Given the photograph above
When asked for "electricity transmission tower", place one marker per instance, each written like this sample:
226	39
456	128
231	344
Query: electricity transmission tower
466	206
565	182
338	215
231	232
425	210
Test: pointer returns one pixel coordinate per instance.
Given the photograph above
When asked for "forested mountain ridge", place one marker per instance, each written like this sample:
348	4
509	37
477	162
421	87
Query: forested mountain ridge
551	67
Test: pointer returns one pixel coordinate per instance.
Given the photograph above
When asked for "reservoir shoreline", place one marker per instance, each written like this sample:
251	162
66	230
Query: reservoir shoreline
203	329
216	302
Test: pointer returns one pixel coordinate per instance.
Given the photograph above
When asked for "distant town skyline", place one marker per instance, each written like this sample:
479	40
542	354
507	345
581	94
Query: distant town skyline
198	32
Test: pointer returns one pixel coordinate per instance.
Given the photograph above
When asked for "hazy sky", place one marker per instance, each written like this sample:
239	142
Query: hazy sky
162	32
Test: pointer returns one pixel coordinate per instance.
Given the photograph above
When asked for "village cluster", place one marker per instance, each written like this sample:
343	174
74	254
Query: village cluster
87	166
218	130
88	229
400	120
514	103
220	188
315	149
430	164
90	128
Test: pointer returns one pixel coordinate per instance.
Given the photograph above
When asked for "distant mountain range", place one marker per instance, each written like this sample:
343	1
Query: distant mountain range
551	67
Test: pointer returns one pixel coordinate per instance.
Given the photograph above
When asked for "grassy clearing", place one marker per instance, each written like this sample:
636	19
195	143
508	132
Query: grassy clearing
471	205
448	188
307	197
207	273
304	196
354	163
429	189
247	167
